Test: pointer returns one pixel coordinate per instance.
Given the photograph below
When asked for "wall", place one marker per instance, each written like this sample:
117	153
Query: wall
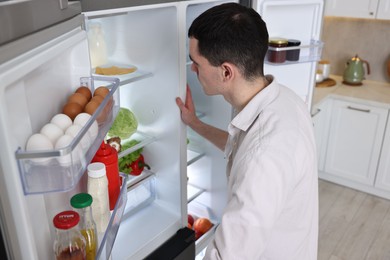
345	37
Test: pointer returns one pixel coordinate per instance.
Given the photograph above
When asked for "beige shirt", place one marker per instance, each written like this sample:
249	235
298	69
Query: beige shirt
272	210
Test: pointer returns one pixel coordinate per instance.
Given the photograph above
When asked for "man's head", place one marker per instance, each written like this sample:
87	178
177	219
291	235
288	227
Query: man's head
232	33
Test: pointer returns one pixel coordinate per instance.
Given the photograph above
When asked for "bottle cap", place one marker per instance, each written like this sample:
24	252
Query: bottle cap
106	154
292	42
66	219
81	200
96	170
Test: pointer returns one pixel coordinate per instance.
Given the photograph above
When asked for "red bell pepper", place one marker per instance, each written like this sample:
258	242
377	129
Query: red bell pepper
138	166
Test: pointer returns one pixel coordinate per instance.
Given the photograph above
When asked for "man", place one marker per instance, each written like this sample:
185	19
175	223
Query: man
272	209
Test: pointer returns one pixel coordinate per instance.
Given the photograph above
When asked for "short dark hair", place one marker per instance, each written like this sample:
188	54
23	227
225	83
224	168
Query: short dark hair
232	33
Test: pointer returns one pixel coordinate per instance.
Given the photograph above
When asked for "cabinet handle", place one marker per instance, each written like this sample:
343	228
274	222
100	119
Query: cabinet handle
359	109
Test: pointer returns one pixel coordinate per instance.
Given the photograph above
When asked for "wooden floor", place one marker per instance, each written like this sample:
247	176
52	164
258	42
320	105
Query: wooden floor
353	225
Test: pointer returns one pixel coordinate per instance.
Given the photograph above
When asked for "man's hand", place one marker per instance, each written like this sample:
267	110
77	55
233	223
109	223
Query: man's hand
187	109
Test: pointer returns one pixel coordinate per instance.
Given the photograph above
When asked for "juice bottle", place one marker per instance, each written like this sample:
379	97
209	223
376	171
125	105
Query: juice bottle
82	203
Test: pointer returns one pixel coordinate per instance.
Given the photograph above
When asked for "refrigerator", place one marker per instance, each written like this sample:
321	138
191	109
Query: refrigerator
47	55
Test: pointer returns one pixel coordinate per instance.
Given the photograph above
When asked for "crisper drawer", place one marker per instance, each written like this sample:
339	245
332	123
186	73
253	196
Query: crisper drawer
61	169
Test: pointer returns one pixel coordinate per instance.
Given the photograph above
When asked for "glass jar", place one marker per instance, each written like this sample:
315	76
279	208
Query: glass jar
69	243
277	56
293	55
82	203
98	188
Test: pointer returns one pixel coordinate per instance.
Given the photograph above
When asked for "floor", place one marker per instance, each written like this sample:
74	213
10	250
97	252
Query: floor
353	225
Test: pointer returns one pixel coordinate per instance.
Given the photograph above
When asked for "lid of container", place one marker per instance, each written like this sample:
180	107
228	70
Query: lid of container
96	170
66	219
106	154
81	200
292	42
278	40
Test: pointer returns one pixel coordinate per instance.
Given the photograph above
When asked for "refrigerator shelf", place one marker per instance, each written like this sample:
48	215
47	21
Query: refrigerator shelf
193	192
308	53
129	78
197	210
108	239
193	156
143	138
61	169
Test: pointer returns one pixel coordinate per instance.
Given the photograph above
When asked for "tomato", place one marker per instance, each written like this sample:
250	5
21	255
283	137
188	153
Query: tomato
190	219
201	226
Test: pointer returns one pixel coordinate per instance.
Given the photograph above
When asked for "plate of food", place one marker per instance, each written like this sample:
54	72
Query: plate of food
114	69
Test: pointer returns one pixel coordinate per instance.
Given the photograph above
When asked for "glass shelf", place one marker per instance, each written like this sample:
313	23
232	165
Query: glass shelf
128	78
193	156
61	169
193	192
144	139
308	53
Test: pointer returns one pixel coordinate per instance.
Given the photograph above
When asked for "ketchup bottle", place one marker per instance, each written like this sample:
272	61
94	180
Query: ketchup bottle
109	156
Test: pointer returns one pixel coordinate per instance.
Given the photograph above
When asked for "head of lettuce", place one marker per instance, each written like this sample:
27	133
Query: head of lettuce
125	124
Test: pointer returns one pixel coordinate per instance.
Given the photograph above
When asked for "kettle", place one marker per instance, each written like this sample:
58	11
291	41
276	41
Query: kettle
354	71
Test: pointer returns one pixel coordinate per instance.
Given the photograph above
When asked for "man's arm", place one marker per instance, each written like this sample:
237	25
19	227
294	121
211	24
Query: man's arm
215	135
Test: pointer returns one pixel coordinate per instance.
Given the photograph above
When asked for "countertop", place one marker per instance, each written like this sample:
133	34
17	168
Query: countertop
376	93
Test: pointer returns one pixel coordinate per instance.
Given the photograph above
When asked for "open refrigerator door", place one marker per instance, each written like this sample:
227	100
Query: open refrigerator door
299	20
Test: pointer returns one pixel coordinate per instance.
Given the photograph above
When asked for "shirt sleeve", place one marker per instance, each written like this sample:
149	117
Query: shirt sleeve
259	185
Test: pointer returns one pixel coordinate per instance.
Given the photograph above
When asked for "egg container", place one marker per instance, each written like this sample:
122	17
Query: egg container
61	169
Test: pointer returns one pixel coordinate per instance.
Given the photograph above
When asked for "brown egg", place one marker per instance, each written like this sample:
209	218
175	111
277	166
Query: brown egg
91	107
72	110
101	91
78	98
99	99
85	91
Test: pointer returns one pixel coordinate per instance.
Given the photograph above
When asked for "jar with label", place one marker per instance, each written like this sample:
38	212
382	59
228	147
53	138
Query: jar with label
98	188
69	243
293	55
82	203
277	55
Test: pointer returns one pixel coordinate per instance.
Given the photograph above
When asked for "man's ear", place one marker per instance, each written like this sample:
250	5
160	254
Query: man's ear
227	71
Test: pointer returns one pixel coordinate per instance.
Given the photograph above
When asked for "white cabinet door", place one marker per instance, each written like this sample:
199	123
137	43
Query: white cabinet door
383	175
321	118
351	8
383	11
355	139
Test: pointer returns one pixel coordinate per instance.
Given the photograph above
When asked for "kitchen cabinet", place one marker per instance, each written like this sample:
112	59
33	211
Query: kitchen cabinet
383	174
371	9
355	139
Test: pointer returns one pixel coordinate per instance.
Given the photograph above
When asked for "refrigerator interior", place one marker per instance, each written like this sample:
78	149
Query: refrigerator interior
147	37
301	20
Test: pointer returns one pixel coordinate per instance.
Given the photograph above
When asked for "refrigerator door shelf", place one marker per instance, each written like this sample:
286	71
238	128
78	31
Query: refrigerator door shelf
61	169
307	53
109	236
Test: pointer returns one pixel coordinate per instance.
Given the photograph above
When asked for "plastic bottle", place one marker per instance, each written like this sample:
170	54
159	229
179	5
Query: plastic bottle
109	156
82	203
97	45
98	189
69	243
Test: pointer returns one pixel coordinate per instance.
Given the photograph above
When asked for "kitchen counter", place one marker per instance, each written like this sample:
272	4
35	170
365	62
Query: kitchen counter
376	93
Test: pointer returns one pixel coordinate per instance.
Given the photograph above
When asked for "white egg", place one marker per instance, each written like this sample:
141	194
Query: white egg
52	131
62	121
85	141
67	159
39	142
82	119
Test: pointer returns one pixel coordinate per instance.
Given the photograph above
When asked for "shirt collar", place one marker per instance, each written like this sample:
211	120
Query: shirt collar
245	118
